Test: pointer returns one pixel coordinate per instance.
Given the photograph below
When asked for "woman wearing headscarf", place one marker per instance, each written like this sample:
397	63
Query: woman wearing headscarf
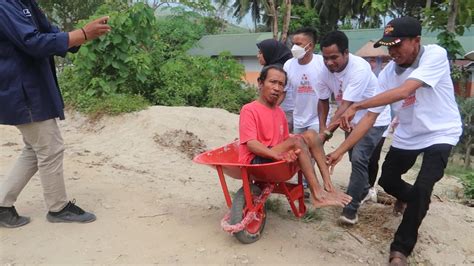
271	52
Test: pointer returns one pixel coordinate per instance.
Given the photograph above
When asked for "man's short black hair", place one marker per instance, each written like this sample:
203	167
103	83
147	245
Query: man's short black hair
336	37
308	31
264	72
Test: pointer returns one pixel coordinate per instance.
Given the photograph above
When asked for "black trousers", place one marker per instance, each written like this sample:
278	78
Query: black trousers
417	196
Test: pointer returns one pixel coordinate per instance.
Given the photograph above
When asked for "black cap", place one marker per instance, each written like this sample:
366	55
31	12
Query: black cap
398	29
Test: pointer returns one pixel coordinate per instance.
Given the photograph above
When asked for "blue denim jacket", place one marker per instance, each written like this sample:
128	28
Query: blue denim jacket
28	87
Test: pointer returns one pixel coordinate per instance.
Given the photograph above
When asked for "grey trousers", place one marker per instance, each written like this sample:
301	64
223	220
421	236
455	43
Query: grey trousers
360	156
43	153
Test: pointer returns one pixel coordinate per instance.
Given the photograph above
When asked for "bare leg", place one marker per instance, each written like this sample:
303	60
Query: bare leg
320	197
316	148
317	152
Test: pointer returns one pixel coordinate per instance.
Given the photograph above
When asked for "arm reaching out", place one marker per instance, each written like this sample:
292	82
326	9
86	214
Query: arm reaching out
90	31
359	131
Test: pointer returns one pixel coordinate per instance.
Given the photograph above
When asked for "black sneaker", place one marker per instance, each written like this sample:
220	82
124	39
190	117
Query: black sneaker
9	218
348	218
70	214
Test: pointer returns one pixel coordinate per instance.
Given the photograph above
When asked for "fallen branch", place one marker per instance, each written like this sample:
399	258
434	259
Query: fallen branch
156	215
438	197
355	237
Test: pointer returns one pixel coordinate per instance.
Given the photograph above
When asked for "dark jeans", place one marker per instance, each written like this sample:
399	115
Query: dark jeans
417	196
374	162
359	156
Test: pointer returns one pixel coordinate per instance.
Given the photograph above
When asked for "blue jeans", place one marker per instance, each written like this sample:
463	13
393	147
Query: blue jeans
359	156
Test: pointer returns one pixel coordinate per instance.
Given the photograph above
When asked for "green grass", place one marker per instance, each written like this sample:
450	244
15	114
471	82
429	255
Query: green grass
117	104
312	216
466	176
468	182
114	104
454	168
274	204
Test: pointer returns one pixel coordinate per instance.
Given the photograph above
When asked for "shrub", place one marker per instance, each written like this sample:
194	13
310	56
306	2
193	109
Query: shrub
468	182
146	59
203	81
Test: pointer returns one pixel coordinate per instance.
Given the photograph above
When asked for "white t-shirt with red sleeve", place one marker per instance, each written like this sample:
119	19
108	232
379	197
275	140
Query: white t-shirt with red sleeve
262	123
355	83
430	115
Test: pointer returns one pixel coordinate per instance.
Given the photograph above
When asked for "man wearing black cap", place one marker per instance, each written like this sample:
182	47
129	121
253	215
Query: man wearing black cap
418	85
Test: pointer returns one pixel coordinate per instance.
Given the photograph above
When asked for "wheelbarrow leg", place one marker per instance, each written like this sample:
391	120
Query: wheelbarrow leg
294	193
220	172
246	187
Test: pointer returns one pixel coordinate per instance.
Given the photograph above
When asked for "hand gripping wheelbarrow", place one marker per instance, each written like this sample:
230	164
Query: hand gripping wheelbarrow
247	215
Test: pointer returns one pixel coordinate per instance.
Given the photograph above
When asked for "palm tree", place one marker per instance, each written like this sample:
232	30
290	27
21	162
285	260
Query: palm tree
242	7
263	11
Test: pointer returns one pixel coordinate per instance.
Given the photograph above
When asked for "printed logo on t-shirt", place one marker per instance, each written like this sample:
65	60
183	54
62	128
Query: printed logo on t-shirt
410	100
305	86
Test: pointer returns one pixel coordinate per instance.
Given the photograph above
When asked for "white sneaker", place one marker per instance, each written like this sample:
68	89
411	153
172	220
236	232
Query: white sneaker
371	195
348	220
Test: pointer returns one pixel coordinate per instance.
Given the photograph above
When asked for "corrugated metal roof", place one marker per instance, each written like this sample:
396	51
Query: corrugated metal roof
245	44
237	44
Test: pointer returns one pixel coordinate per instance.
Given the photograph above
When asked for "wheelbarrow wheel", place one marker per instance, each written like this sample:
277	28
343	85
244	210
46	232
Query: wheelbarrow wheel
253	231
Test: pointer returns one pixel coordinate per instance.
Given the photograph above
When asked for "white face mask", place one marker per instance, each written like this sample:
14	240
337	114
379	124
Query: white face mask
298	52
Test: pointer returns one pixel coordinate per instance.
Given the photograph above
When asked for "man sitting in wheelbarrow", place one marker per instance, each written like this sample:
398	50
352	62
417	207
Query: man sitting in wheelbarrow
264	138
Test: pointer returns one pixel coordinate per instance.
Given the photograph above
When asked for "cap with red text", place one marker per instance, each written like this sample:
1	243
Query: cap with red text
398	29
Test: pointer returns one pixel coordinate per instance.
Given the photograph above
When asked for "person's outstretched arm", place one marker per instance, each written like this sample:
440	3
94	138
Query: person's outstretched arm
90	31
25	36
399	93
323	110
358	133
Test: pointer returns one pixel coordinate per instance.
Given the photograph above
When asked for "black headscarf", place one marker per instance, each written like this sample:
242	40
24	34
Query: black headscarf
274	52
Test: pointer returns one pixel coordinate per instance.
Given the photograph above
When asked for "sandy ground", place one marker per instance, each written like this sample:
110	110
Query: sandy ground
154	205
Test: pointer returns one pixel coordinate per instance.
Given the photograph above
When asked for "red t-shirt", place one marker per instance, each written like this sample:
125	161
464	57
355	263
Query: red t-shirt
262	123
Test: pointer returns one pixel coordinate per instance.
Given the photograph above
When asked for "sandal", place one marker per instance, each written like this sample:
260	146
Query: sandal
400	259
399	207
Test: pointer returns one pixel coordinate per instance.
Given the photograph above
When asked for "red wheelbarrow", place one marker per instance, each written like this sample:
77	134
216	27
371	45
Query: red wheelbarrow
247	215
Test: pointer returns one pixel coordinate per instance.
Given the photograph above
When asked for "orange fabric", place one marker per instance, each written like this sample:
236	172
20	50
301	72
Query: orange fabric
251	77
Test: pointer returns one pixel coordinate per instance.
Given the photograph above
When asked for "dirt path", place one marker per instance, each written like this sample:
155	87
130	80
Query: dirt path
155	206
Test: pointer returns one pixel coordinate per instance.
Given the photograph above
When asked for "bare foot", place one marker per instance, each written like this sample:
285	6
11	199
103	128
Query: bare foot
336	198
397	258
399	207
346	198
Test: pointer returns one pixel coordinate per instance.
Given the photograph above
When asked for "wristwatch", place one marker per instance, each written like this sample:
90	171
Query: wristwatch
327	134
